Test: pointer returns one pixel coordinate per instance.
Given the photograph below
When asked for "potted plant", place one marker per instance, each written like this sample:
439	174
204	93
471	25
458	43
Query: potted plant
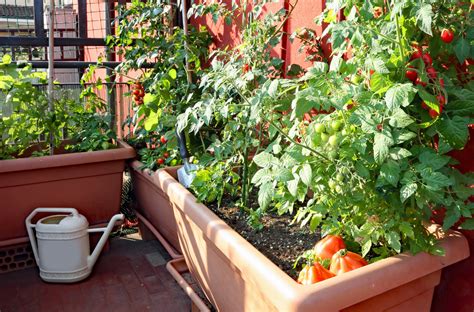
361	153
85	171
160	93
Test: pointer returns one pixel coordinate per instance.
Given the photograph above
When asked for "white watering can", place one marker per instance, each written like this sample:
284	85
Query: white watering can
61	246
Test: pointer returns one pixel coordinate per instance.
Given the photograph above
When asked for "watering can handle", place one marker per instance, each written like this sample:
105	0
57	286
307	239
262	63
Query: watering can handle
30	226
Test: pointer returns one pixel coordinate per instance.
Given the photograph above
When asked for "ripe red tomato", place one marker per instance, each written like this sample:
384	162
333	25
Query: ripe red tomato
136	92
163	139
345	261
307	117
431	73
160	161
328	246
441	82
424	106
140	102
312	274
420	82
416	55
433	113
379	127
441	100
245	68
166	155
427	59
377	12
141	92
447	35
411	75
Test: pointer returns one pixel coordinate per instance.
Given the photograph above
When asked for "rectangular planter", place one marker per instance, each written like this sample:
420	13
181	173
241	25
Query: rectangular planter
153	203
91	182
237	277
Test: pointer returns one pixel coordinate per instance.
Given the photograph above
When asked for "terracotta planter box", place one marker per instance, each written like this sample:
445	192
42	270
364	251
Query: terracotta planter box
237	277
153	203
91	182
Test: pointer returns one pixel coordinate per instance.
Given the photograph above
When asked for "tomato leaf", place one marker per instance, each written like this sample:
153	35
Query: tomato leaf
454	131
366	247
406	229
468	224
390	171
265	160
424	17
382	142
408	190
461	107
398	153
393	239
399	95
306	174
265	195
434	160
400	119
462	49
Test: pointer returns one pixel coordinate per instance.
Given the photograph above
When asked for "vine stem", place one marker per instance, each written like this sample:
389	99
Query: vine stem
399	36
279	129
294	142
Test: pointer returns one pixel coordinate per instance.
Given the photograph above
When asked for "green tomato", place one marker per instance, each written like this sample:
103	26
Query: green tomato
332	154
173	162
333	140
356	79
339	177
319	128
316	139
338	189
336	125
324	137
345	132
332	184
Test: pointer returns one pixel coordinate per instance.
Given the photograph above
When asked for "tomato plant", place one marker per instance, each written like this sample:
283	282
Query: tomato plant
161	92
26	121
379	175
230	108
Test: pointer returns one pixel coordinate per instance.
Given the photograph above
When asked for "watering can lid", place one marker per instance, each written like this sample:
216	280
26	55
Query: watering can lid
62	223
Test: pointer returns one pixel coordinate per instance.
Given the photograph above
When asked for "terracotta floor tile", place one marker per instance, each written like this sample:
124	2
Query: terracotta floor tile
122	280
154	284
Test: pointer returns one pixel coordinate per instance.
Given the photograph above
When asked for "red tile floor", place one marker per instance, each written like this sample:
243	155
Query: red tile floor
130	275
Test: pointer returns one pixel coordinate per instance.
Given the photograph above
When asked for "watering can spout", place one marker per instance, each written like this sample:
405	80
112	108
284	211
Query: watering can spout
98	248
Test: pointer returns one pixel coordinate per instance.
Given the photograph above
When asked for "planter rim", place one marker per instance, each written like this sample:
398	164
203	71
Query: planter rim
123	151
404	267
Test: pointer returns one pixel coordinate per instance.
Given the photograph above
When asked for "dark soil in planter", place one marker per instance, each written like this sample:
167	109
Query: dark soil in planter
279	241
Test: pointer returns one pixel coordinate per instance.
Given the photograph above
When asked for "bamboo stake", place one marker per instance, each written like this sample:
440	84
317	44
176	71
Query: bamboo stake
51	72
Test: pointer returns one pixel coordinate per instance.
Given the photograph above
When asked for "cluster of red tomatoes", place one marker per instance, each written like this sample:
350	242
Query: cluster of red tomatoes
138	93
332	248
161	160
246	68
412	74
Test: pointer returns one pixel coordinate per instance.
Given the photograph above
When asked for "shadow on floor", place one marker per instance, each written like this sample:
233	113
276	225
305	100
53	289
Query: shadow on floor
130	275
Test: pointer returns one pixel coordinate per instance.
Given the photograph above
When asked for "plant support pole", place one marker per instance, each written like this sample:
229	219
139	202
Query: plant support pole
51	73
184	12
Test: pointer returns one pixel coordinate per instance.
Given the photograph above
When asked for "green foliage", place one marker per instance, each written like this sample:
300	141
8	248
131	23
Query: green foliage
145	34
25	119
383	171
352	146
231	112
